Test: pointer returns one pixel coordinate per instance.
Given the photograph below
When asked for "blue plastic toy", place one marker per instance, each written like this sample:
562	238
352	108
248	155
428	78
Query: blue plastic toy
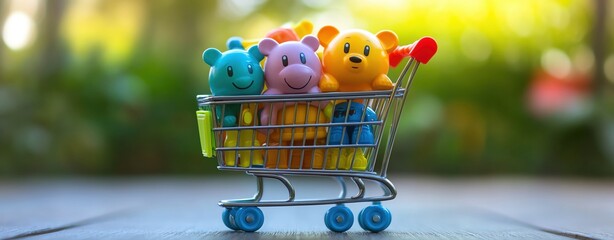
346	158
237	72
351	132
234	72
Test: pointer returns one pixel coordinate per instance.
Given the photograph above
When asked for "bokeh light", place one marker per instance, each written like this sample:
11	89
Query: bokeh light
18	30
108	86
556	63
609	68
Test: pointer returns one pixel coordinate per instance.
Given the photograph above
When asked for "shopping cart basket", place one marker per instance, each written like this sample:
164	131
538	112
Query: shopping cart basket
298	145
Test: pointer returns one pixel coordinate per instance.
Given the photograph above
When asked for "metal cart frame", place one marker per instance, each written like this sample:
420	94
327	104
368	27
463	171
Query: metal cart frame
244	214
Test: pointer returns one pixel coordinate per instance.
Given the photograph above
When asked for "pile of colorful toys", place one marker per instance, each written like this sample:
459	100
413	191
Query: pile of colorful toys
296	104
292	61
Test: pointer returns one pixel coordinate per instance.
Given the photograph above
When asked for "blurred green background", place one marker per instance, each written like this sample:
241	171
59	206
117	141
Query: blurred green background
108	87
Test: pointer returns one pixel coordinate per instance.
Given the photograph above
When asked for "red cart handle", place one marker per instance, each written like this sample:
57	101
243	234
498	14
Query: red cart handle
422	50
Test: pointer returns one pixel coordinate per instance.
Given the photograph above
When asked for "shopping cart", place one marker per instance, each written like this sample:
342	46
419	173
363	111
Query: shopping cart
299	145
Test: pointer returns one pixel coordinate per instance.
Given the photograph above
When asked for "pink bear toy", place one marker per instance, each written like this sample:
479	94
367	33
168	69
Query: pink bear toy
291	67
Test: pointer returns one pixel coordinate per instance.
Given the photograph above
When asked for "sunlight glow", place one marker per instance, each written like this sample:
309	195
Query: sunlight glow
18	30
475	45
237	9
113	31
316	3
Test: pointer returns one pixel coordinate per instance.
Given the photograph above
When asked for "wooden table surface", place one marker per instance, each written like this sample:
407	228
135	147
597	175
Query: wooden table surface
186	208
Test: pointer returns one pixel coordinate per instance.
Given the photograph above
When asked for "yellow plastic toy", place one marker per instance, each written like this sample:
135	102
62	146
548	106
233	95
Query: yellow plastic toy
345	159
205	130
246	138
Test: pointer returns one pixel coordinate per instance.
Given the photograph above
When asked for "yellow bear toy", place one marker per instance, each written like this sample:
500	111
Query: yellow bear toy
355	60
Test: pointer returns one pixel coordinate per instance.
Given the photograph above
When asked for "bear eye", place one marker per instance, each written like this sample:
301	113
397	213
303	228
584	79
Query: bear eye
250	69
367	49
284	60
346	48
229	71
303	59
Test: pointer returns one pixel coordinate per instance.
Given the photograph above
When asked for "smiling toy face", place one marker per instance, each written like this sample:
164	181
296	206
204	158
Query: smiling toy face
292	67
356	56
236	71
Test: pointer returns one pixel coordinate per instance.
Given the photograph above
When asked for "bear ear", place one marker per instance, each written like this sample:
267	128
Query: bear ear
255	52
211	55
266	46
235	43
326	34
311	41
389	40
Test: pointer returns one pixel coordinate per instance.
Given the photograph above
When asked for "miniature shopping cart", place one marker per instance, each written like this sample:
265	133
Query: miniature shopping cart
300	144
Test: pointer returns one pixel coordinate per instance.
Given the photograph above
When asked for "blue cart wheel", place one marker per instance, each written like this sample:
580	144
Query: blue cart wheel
249	219
360	218
228	218
374	218
339	218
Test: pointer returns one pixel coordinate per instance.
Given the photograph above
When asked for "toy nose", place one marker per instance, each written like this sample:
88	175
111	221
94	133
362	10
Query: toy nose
355	59
296	71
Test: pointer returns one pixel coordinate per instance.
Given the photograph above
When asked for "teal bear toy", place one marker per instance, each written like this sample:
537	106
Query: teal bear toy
234	72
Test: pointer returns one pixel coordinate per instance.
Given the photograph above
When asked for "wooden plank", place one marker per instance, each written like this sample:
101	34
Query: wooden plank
45	204
579	208
177	208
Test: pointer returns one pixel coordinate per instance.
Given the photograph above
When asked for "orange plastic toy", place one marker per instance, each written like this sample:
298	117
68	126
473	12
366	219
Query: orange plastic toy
355	60
306	136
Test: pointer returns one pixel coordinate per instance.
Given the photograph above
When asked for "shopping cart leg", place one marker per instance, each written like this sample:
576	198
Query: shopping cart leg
361	188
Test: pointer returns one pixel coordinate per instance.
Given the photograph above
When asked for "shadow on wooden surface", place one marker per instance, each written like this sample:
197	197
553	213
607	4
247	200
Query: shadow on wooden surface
426	208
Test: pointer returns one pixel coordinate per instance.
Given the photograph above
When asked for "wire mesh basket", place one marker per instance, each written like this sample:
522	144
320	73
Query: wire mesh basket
337	134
